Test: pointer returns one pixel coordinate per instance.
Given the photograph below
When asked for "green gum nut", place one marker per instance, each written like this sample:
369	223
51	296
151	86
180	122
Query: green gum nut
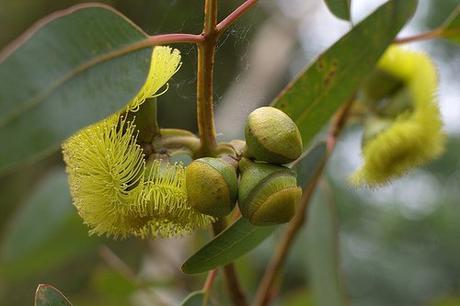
272	136
212	186
268	194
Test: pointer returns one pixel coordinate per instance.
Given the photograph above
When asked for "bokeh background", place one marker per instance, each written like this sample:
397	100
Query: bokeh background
398	245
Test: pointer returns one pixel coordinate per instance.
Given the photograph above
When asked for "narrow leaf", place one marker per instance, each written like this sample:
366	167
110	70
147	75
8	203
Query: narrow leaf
340	8
197	298
307	166
322	253
451	28
45	232
63	74
317	93
47	295
241	237
235	241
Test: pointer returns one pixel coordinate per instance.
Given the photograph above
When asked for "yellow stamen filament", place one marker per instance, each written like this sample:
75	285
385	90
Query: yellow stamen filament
413	138
115	192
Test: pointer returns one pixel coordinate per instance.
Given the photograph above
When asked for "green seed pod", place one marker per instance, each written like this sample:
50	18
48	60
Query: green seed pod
272	136
212	186
267	194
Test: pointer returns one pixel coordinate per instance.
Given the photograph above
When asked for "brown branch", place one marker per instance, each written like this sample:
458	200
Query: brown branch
205	116
265	292
210	17
436	33
205	107
419	37
233	16
338	124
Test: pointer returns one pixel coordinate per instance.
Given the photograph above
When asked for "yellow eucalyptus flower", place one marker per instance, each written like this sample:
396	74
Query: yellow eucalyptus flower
414	137
165	62
115	192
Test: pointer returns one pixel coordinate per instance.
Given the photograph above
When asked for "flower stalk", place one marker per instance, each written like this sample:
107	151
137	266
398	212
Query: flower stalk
205	107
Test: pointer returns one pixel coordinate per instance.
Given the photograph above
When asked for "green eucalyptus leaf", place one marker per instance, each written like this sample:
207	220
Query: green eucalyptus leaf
65	73
299	297
238	239
307	166
451	28
197	298
241	237
322	256
47	295
340	8
316	94
45	232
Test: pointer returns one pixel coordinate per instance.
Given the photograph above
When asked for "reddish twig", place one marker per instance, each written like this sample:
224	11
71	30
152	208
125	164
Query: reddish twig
210	280
419	37
436	33
208	285
338	124
237	13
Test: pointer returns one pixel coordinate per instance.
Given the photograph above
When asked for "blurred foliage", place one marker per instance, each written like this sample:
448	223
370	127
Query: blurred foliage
48	295
31	246
439	11
392	254
300	298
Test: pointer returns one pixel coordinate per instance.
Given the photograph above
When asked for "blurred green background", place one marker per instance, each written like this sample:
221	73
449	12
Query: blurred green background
399	245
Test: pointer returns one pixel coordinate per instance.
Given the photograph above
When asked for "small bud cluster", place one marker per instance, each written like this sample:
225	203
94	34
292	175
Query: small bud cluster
267	192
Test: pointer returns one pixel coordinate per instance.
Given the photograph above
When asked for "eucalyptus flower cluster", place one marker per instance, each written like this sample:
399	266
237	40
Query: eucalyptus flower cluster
117	191
120	190
403	126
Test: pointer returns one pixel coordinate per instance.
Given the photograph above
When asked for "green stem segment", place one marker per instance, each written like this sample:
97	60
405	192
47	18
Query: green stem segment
205	117
436	33
205	107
